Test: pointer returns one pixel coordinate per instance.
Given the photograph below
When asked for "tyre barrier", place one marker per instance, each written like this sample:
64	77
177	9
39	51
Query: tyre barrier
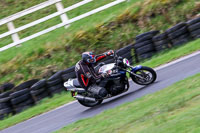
21	100
68	73
178	34
6	87
39	90
194	28
161	42
5	105
144	46
14	99
55	83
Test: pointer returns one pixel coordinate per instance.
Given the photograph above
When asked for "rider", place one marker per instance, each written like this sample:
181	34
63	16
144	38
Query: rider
86	74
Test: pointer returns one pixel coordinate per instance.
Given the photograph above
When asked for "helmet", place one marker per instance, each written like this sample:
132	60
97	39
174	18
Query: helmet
89	57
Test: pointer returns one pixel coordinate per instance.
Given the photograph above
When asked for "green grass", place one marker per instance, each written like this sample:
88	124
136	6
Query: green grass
43	106
172	110
58	100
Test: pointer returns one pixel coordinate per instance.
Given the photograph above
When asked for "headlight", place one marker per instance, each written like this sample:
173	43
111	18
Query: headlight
126	62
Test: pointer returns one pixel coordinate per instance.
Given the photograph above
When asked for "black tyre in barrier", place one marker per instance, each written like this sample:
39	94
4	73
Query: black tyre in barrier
145	49
5	94
57	75
127	55
6	87
161	47
56	87
180	41
161	42
160	37
176	27
28	102
5	99
6	111
65	77
41	96
38	85
20	99
138	45
26	84
195	33
144	38
194	27
124	50
146	55
178	33
38	92
5	105
54	82
193	21
19	93
152	33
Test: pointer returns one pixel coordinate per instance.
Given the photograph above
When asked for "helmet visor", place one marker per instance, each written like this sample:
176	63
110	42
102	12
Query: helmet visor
92	59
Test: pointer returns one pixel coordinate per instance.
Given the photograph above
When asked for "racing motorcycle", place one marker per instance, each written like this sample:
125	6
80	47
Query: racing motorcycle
117	82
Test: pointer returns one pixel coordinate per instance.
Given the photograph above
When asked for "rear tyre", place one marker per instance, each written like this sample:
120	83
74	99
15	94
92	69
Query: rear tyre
90	104
148	74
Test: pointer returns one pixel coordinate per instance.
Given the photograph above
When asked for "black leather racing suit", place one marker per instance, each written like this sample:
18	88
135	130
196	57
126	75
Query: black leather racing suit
86	74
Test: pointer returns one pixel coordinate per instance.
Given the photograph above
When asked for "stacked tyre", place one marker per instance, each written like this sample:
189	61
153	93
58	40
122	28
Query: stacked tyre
161	42
39	90
55	83
21	97
194	27
21	100
5	104
126	52
68	73
6	87
144	47
178	34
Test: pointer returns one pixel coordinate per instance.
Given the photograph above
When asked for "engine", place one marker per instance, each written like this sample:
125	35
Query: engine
116	86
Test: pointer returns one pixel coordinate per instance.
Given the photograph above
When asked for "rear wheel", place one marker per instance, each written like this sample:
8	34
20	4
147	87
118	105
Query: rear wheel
89	103
147	74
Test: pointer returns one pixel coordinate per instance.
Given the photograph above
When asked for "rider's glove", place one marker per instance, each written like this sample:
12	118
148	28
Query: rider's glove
110	52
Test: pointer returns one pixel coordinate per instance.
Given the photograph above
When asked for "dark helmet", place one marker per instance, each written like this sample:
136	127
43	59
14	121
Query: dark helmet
89	57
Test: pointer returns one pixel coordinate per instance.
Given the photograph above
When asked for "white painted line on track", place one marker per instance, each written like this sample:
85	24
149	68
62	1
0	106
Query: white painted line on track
156	68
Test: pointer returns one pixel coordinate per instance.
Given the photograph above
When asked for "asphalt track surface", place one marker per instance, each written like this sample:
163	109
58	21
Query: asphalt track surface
56	119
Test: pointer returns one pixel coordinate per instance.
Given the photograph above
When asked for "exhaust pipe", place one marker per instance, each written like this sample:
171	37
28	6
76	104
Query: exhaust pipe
82	98
79	90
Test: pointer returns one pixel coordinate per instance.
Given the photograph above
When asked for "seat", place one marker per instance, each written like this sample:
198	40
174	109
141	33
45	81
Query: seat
76	83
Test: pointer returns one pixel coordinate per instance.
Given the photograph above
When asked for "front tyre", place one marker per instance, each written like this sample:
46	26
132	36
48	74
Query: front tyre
147	74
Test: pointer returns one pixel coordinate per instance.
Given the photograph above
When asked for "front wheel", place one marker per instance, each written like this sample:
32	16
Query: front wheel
146	76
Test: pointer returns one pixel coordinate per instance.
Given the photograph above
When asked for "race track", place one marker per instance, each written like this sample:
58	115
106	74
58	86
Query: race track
72	112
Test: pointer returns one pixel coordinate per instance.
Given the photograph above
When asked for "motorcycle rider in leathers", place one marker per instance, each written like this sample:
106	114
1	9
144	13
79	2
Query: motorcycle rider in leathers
87	76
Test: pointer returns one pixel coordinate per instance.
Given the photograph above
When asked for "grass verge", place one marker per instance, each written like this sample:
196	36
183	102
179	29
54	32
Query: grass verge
171	110
58	100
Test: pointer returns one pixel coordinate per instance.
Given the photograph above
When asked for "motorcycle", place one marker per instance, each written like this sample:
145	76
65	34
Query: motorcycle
117	82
